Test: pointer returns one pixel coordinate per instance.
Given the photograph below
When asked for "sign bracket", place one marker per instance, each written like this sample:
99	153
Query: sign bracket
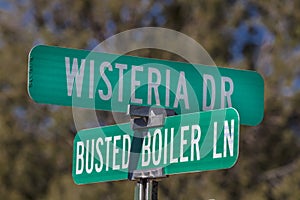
143	118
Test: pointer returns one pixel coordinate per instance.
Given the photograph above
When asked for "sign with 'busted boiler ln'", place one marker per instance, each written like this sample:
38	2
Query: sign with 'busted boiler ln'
104	81
186	143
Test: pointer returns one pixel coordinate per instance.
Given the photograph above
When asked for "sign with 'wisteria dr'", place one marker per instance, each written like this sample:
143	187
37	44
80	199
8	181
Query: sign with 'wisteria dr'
102	81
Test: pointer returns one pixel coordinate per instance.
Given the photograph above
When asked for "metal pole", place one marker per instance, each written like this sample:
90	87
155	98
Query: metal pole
140	190
152	190
146	189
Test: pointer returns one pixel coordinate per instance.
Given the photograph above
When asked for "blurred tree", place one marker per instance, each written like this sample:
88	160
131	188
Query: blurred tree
36	140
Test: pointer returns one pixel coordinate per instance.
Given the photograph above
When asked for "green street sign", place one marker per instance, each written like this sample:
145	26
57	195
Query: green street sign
186	143
102	81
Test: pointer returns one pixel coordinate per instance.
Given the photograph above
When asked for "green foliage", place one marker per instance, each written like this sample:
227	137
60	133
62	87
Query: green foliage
36	140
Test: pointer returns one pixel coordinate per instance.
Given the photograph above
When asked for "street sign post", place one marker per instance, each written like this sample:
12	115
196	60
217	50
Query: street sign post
110	82
187	143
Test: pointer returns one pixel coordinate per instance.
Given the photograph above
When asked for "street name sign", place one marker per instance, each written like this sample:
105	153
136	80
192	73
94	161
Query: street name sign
186	143
102	81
